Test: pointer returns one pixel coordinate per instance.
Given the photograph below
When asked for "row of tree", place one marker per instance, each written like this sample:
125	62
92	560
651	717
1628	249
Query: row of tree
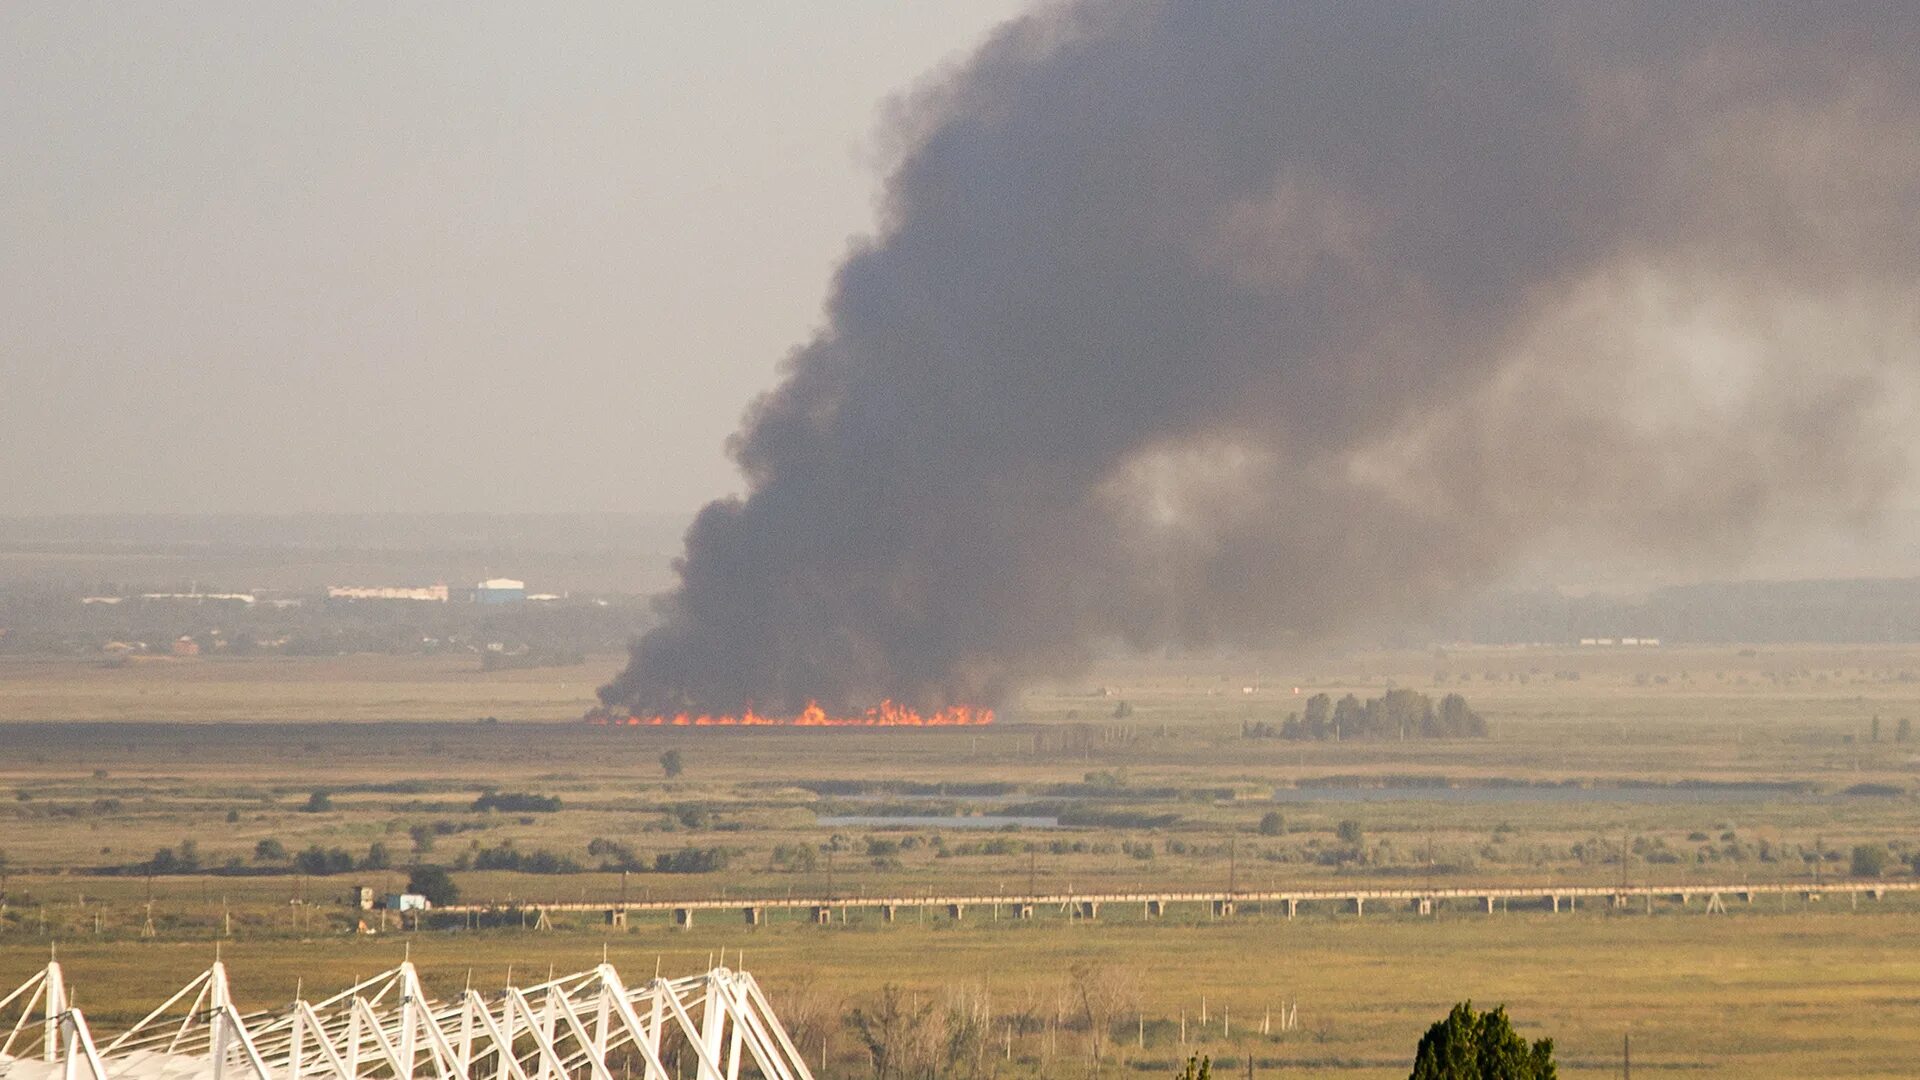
1396	714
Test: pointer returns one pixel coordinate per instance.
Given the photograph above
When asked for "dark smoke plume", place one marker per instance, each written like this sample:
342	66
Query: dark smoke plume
1241	323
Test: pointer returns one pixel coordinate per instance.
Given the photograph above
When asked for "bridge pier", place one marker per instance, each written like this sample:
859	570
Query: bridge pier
888	912
1222	908
1554	901
1490	905
822	915
1425	905
1293	907
1156	908
956	912
754	916
1021	911
1087	909
683	917
1359	905
616	916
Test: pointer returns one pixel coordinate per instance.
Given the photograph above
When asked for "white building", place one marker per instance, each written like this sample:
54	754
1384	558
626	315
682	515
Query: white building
436	593
500	591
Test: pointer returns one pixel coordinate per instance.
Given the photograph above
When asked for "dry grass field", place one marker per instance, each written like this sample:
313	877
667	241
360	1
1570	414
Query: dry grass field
1707	765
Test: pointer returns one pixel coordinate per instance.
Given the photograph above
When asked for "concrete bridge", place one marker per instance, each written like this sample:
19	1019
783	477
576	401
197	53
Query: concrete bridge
1714	898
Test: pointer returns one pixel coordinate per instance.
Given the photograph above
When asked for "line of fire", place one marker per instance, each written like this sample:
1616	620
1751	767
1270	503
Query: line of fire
885	714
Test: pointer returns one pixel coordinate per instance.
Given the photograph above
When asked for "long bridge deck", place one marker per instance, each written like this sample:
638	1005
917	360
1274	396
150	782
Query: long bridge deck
1220	903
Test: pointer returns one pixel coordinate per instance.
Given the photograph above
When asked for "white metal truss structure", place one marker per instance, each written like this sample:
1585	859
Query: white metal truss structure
584	1026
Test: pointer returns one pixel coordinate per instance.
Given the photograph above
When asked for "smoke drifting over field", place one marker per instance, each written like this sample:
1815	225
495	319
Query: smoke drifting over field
1223	323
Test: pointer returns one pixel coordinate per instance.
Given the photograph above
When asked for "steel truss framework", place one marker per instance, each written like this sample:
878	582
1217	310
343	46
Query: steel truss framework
584	1026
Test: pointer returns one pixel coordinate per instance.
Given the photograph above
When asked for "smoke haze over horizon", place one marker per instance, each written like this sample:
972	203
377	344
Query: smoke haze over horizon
1240	325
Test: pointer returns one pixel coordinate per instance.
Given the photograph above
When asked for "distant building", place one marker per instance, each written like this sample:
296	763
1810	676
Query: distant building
201	597
360	896
405	902
500	591
388	592
185	646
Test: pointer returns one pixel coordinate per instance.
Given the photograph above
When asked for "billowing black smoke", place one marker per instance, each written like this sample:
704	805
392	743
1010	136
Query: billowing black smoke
1239	323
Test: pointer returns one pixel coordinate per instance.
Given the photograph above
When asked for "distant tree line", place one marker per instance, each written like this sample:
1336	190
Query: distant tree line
52	620
1396	714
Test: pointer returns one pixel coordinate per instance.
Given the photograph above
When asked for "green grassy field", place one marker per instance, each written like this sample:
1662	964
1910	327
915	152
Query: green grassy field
1752	994
1705	765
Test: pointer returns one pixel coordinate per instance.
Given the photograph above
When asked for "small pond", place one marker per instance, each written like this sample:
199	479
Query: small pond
935	821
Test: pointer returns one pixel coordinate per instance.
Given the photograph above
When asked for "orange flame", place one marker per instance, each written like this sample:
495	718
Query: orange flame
885	714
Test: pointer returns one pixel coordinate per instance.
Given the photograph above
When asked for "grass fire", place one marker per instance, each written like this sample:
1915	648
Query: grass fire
885	714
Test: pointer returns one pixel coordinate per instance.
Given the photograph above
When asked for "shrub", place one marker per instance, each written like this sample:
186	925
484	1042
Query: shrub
505	857
691	860
517	802
614	855
320	861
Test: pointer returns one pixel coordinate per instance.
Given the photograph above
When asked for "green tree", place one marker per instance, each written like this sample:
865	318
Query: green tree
1272	824
1869	860
318	803
1903	730
1350	833
1197	1069
1318	721
269	850
435	884
671	764
1471	1045
1875	730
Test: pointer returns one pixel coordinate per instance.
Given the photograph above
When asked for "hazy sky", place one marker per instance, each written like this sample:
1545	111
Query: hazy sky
277	257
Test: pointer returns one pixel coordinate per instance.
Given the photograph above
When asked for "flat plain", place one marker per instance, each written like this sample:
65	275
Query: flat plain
1701	765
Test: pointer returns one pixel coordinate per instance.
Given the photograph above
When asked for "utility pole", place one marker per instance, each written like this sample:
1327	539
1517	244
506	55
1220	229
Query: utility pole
1233	864
1626	1056
1625	853
1429	862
